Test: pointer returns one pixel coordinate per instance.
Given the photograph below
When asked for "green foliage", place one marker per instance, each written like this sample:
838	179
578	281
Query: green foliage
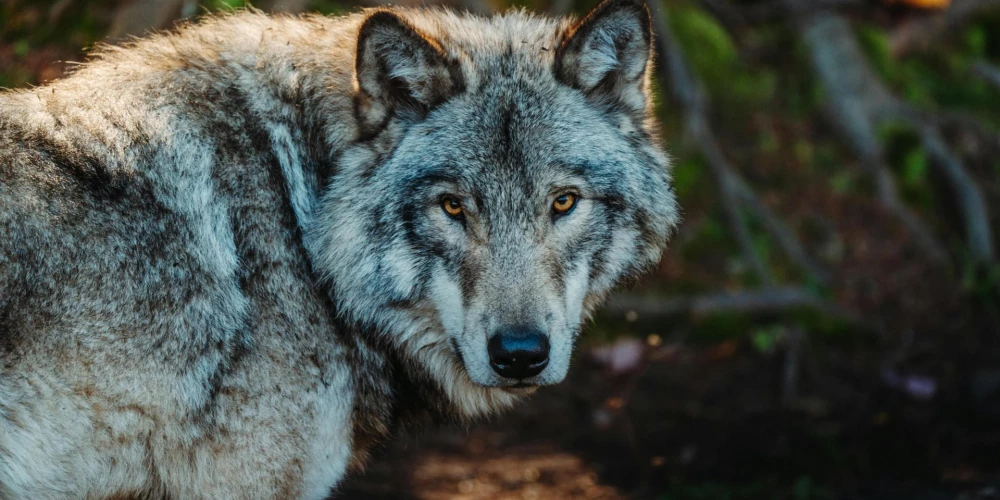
21	47
224	4
940	76
976	40
986	39
915	168
827	330
14	77
330	7
802	94
81	25
805	152
687	175
906	155
715	58
768	142
842	182
876	43
766	339
708	44
979	280
720	327
805	489
761	245
24	29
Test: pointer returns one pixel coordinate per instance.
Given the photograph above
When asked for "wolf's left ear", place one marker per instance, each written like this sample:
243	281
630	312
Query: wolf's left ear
400	71
606	54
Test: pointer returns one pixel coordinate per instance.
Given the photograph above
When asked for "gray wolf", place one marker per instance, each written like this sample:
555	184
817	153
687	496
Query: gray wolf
237	256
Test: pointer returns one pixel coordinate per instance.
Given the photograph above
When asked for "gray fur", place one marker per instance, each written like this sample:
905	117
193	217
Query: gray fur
225	271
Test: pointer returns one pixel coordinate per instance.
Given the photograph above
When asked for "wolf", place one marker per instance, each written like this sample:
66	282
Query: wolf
236	257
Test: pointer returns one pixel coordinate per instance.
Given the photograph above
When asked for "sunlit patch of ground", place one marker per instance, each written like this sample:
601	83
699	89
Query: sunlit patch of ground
510	476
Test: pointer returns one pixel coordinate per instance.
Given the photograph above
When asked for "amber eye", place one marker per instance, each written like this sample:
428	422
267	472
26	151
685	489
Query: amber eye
452	207
564	203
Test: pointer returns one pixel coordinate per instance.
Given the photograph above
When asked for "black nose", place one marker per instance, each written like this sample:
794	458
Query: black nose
519	352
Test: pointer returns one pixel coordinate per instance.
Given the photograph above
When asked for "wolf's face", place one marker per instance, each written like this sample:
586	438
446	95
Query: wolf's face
510	181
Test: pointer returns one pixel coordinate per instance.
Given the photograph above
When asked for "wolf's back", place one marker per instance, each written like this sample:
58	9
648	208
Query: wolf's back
151	267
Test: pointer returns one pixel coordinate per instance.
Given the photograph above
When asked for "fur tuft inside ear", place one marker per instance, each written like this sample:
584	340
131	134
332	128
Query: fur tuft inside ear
399	71
606	54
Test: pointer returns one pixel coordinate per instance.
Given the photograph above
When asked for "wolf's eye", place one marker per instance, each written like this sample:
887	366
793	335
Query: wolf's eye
564	203
452	207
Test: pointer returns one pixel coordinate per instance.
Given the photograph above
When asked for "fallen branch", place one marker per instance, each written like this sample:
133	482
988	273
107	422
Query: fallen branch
766	300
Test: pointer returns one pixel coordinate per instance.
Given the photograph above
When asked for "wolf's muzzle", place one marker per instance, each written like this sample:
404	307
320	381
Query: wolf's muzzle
518	352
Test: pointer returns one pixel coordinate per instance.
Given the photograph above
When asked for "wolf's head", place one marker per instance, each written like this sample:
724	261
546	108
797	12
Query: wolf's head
507	178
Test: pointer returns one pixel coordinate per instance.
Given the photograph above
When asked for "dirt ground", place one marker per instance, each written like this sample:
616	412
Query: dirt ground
707	422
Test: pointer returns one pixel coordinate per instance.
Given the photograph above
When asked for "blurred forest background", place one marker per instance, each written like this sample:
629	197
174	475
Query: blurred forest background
825	323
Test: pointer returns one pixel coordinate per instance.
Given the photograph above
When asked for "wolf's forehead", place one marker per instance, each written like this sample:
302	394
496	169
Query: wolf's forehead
516	136
512	41
505	131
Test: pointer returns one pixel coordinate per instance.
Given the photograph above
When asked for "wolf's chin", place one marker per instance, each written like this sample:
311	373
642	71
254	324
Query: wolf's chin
520	390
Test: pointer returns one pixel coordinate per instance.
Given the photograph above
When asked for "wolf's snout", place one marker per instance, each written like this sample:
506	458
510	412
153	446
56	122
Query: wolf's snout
519	352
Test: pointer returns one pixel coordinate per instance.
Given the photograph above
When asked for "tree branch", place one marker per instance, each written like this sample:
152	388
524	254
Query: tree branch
967	194
858	101
766	300
988	72
735	192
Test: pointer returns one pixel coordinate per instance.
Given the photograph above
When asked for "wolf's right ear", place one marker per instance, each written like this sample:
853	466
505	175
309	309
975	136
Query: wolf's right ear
606	54
399	70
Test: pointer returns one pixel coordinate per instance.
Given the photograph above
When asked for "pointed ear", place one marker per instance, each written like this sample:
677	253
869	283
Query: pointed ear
606	54
399	71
